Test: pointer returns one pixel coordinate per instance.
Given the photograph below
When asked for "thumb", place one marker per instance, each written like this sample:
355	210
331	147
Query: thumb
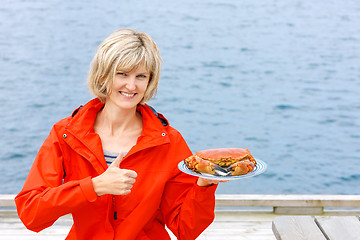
117	161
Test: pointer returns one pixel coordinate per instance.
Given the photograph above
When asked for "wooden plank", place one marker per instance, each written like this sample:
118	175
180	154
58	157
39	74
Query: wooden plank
239	200
7	200
257	200
296	228
299	210
339	227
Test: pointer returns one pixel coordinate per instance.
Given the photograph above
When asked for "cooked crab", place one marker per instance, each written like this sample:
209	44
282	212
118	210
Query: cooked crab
222	161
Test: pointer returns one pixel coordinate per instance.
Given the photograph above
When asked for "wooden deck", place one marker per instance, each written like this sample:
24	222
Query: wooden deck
316	228
236	216
226	226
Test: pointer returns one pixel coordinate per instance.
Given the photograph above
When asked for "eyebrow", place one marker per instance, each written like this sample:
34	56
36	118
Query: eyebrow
132	70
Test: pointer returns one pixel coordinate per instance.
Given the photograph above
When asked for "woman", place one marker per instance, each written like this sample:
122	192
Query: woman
112	164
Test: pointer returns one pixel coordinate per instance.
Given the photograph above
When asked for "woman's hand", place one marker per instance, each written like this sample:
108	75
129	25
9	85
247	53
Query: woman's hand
203	182
114	180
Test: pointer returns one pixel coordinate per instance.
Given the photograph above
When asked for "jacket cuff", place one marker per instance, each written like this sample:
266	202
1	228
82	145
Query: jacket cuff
88	189
204	192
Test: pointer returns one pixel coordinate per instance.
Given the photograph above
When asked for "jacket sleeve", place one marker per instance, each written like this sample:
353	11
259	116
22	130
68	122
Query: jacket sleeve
44	198
188	209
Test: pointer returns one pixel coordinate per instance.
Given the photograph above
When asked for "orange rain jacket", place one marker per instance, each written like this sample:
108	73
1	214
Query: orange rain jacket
59	183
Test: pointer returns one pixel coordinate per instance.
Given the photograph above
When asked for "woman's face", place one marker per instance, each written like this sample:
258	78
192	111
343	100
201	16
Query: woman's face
128	88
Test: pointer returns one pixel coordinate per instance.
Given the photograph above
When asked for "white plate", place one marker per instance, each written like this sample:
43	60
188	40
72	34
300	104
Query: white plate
259	168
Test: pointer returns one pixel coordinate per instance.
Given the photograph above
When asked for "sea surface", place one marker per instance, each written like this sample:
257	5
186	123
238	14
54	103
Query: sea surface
279	77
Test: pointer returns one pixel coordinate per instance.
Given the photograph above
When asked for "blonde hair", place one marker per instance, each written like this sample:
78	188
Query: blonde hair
124	49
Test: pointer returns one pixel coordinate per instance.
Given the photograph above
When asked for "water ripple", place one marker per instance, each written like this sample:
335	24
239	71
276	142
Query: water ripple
277	77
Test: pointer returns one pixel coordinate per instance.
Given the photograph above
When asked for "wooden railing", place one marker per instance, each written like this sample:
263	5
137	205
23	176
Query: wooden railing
280	204
7	200
291	204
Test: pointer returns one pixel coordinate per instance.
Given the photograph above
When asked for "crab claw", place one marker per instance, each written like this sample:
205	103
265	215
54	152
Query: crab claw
200	165
241	167
205	166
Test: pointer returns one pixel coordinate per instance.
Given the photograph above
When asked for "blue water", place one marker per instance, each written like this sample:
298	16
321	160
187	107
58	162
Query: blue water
279	77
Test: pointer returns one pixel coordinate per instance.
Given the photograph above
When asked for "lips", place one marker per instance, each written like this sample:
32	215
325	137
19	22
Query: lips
129	95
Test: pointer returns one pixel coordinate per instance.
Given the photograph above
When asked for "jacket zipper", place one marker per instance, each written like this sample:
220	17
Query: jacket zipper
113	207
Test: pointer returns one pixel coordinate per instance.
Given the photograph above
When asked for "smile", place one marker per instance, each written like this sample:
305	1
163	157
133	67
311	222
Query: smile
127	94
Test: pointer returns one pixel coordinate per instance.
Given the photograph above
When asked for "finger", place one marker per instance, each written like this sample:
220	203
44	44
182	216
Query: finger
130	173
130	182
126	181
220	181
117	161
125	192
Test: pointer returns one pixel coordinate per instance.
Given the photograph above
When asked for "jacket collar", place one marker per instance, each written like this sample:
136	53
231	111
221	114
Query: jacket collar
85	141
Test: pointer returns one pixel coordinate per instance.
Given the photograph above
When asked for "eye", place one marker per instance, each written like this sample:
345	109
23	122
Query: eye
121	73
141	76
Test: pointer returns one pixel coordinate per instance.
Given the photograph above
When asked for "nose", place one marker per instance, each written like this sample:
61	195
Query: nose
131	83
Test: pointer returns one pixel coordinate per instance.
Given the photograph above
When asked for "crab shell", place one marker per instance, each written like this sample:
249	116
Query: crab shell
237	160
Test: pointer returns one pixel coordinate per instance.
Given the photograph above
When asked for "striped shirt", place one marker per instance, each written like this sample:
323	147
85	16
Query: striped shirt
111	156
